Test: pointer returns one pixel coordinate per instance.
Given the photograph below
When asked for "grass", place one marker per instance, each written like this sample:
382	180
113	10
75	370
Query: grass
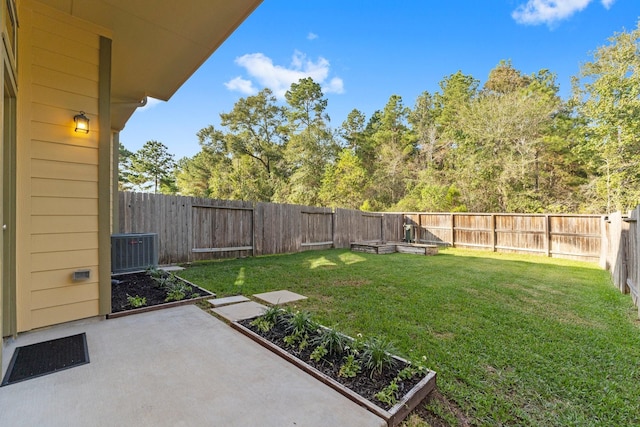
515	340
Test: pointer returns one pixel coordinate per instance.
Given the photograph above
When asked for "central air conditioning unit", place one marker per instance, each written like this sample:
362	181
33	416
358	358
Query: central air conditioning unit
133	252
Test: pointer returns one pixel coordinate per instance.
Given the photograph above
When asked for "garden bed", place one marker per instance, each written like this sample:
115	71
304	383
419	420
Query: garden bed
382	248
151	290
391	392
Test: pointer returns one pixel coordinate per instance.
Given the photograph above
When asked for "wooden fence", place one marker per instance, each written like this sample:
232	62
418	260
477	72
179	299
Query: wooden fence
561	236
622	252
191	229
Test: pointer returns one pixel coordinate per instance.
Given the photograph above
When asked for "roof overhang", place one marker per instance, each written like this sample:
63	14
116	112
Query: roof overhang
157	44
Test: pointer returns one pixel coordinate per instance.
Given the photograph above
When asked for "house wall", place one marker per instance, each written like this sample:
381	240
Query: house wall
57	169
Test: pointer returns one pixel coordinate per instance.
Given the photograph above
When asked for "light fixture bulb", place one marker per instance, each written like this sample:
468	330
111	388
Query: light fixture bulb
82	123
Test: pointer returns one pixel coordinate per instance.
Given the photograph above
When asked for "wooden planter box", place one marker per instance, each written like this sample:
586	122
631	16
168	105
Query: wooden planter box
392	247
373	248
392	417
166	304
416	248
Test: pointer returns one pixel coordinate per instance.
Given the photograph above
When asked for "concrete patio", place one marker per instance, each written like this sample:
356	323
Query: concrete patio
178	367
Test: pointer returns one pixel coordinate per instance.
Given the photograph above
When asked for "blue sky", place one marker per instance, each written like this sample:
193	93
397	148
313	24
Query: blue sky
364	51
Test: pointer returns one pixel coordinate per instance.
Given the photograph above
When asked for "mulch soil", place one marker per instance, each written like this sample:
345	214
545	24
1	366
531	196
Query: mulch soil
364	384
142	285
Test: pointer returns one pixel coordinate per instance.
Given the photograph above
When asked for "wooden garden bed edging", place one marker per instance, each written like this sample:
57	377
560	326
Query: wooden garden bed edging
392	247
167	304
392	417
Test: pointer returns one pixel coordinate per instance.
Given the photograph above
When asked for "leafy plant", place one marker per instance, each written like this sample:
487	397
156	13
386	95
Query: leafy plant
136	301
318	353
333	341
262	324
155	272
350	368
176	289
301	324
273	315
290	340
388	394
268	319
376	354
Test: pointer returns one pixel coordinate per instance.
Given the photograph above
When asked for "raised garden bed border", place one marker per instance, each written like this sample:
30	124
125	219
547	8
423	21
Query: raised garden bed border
381	248
167	304
392	417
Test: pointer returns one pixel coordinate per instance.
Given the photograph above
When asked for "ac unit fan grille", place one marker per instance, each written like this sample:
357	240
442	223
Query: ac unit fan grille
133	252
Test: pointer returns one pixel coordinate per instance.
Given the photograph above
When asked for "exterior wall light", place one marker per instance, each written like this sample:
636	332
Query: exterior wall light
82	122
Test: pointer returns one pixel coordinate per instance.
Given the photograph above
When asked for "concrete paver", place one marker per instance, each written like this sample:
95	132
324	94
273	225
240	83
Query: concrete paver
172	268
219	302
241	311
279	297
172	367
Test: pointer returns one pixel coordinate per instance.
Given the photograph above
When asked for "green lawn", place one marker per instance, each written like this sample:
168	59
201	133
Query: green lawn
515	340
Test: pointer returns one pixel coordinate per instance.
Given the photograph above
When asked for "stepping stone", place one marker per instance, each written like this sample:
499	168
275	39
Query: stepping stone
219	302
241	311
279	297
172	268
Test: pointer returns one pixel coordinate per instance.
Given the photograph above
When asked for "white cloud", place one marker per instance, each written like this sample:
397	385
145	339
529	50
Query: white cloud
313	36
536	12
279	78
335	85
241	85
607	3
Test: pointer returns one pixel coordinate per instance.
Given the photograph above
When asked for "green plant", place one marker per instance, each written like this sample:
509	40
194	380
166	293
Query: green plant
350	368
333	341
290	340
388	394
376	355
155	272
411	370
176	289
301	324
318	353
262	324
136	301
268	319
273	315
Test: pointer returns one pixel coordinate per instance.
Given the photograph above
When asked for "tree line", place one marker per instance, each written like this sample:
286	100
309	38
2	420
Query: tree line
510	145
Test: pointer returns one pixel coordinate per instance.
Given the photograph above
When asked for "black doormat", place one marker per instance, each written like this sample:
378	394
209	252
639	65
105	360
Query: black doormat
47	357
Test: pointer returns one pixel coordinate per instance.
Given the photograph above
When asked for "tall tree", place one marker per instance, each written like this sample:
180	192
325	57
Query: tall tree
152	168
504	78
608	94
345	183
423	120
395	148
256	129
207	173
311	146
124	168
504	144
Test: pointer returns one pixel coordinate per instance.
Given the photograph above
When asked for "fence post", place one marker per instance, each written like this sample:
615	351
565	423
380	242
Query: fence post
333	227
453	230
493	232
604	244
547	234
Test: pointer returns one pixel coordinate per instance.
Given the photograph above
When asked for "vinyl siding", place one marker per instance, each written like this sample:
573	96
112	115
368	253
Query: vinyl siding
60	70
